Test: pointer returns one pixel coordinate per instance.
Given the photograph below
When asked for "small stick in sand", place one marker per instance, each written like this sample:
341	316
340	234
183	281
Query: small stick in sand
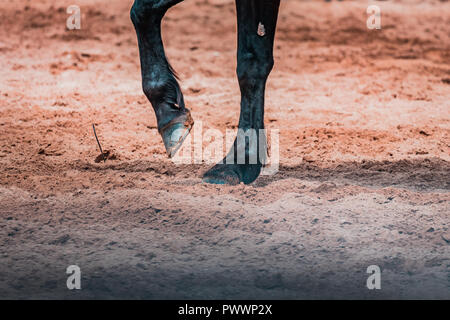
96	138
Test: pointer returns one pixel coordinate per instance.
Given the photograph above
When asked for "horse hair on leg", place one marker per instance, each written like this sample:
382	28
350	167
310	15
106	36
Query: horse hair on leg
256	21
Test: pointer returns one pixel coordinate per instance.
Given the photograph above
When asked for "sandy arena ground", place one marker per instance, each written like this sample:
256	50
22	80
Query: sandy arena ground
364	176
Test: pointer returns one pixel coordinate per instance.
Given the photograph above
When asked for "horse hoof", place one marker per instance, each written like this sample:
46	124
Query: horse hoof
232	174
175	132
219	176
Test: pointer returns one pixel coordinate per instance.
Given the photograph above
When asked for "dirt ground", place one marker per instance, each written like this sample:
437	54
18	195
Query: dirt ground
364	174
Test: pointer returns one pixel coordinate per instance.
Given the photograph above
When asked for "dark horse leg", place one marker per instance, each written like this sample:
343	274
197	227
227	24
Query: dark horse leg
158	79
257	21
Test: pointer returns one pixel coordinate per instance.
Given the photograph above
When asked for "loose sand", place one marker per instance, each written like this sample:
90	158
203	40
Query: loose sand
364	148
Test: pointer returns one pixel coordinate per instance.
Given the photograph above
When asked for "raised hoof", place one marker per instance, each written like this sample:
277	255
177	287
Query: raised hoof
175	132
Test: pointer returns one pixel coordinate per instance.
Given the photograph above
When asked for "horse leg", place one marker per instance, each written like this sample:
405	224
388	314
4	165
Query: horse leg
256	32
159	81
